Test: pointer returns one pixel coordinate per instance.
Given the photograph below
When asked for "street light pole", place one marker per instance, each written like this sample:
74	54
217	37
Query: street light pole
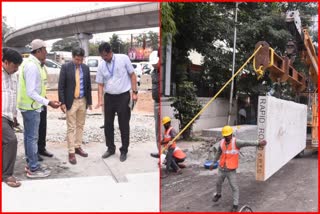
233	62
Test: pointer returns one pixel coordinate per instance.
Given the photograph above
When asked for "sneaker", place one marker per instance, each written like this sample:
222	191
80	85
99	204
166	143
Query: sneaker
39	173
216	197
43	166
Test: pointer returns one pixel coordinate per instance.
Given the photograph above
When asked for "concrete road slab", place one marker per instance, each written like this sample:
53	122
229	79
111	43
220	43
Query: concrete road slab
85	194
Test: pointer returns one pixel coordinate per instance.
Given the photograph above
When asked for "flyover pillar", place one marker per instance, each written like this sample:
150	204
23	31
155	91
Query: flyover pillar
84	41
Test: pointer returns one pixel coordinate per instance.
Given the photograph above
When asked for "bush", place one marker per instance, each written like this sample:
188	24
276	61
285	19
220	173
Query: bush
186	106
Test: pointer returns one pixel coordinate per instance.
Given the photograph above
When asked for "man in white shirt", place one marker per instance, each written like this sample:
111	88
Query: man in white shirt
115	78
11	60
30	99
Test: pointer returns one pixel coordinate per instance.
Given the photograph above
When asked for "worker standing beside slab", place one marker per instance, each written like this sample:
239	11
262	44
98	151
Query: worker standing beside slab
228	156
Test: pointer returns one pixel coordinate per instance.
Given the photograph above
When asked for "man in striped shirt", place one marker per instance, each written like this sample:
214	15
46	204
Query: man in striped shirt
11	60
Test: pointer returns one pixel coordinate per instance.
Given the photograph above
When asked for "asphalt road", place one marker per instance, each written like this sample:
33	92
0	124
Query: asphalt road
293	188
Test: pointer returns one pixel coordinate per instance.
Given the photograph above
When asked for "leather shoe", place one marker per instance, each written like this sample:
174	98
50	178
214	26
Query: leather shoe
107	154
72	158
80	152
40	158
46	153
155	155
123	157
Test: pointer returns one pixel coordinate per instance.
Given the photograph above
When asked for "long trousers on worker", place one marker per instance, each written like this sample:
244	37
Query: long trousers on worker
156	124
42	130
232	178
172	161
9	148
118	103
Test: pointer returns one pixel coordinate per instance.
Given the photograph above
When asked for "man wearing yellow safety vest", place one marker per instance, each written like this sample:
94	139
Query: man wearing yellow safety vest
228	156
175	156
30	99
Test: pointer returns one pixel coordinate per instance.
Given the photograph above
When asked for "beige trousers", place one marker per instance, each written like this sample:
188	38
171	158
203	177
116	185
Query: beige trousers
76	118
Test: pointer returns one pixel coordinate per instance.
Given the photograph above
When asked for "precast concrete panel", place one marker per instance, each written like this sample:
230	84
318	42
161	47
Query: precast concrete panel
283	124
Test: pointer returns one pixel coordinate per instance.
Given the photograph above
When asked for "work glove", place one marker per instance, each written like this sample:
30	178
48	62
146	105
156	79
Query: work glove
262	143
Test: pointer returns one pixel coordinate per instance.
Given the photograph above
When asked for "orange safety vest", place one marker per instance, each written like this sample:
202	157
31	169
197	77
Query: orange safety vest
230	154
177	152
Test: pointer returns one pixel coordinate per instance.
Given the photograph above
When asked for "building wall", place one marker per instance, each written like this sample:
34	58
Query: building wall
216	115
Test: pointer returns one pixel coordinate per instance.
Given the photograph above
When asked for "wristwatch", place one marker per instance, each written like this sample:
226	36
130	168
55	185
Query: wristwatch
135	92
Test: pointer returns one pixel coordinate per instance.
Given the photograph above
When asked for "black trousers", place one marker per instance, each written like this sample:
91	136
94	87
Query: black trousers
42	130
117	104
172	161
9	148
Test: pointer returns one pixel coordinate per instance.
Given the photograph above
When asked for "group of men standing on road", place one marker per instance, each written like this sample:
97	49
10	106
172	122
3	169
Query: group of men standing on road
115	78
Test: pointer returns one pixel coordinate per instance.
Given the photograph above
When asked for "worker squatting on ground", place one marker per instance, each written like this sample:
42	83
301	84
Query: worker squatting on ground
228	154
175	156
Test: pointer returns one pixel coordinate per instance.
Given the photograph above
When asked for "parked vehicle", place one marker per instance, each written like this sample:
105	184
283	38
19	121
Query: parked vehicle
92	62
53	67
138	70
60	56
147	68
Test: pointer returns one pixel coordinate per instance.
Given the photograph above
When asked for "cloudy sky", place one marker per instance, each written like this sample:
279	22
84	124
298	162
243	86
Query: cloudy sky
22	14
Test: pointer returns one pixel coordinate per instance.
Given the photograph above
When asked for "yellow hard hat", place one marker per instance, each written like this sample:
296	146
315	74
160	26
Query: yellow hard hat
166	120
226	131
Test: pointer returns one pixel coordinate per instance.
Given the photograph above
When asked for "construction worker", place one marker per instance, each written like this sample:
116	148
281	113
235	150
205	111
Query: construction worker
175	156
30	99
228	154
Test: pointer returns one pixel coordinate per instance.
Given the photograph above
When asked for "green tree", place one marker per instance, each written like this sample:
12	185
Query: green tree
139	40
185	106
168	25
115	43
147	40
94	49
153	40
66	44
212	36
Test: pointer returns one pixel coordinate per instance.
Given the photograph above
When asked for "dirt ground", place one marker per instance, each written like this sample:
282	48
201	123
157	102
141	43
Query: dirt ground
293	188
144	104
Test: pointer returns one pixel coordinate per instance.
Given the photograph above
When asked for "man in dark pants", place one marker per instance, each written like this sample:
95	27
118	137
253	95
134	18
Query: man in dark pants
11	60
115	78
156	98
42	135
43	129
